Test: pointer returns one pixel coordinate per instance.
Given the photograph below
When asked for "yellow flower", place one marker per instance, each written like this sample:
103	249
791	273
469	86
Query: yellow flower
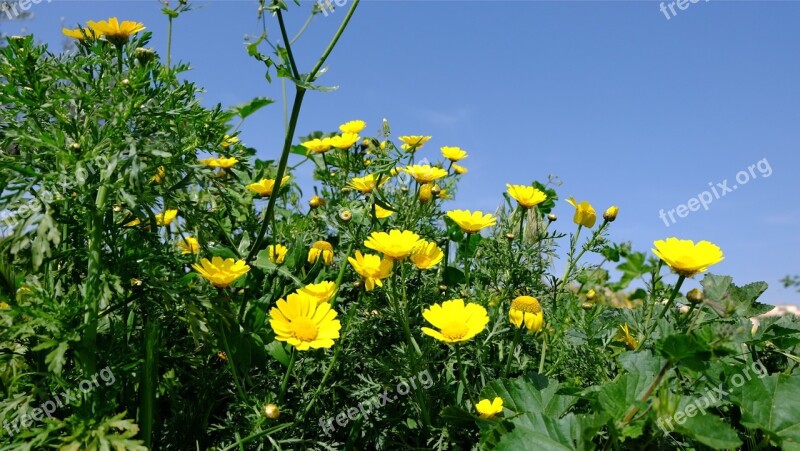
221	273
316	202
166	217
687	258
219	162
624	335
116	32
303	323
591	294
321	249
344	141
489	409
4	306
189	245
396	244
159	176
372	268
425	173
79	33
317	145
456	321
584	213
459	169
526	310
382	213
368	183
472	222
277	253
453	153
426	255
611	213
353	127
527	196
322	292
425	193
264	187
413	142
229	140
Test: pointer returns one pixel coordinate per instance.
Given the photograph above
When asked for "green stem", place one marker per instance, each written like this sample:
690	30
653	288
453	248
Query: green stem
463	372
93	288
544	353
231	364
169	44
285	380
514	344
664	311
149	380
240	442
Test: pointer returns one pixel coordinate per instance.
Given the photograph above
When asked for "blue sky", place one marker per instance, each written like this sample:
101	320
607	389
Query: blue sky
625	106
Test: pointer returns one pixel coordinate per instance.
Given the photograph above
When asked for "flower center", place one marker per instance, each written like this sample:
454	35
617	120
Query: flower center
455	330
526	304
304	329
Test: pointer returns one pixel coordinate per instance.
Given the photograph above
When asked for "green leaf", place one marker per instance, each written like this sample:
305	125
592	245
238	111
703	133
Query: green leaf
278	352
617	397
453	276
772	404
709	430
533	393
246	109
686	349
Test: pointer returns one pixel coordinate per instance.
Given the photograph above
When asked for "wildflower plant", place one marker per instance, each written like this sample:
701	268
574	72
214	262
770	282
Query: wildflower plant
238	312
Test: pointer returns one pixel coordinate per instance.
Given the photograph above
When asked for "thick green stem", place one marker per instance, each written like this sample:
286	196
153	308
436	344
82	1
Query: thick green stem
93	281
169	44
285	381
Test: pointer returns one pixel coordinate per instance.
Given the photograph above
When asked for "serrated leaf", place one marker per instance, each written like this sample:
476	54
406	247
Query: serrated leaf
246	109
709	430
772	404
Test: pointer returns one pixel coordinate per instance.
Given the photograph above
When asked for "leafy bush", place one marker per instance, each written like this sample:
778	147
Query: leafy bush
156	296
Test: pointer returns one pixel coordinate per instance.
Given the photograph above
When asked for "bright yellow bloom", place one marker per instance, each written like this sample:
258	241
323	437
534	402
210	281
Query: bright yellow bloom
219	162
527	196
317	145
526	310
413	142
221	273
584	213
303	323
166	217
264	187
344	141
4	306
382	213
425	173
453	153
353	127
368	183
189	245
229	140
459	169
116	32
277	253
396	244
687	258
472	222
425	193
624	335
159	175
489	409
321	249
79	33
611	213
322	292
372	268
426	255
457	322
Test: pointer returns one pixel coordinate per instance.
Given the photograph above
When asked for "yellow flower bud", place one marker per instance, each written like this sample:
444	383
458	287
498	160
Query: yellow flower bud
272	411
316	202
695	296
611	213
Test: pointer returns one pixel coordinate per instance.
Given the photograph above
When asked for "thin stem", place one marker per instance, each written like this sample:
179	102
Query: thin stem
647	394
231	364
169	44
302	29
544	353
463	372
666	308
312	75
288	43
289	369
514	344
240	442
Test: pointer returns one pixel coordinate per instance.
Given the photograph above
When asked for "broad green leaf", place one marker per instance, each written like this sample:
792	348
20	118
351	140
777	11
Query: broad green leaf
772	404
709	430
278	352
620	395
533	393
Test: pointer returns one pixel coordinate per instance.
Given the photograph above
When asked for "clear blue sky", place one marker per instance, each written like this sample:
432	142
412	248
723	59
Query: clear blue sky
625	106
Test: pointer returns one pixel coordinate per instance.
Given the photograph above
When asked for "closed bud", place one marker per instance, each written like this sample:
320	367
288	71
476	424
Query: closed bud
144	55
590	294
425	193
695	296
611	213
552	217
316	202
272	411
75	146
385	127
345	215
126	82
510	236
